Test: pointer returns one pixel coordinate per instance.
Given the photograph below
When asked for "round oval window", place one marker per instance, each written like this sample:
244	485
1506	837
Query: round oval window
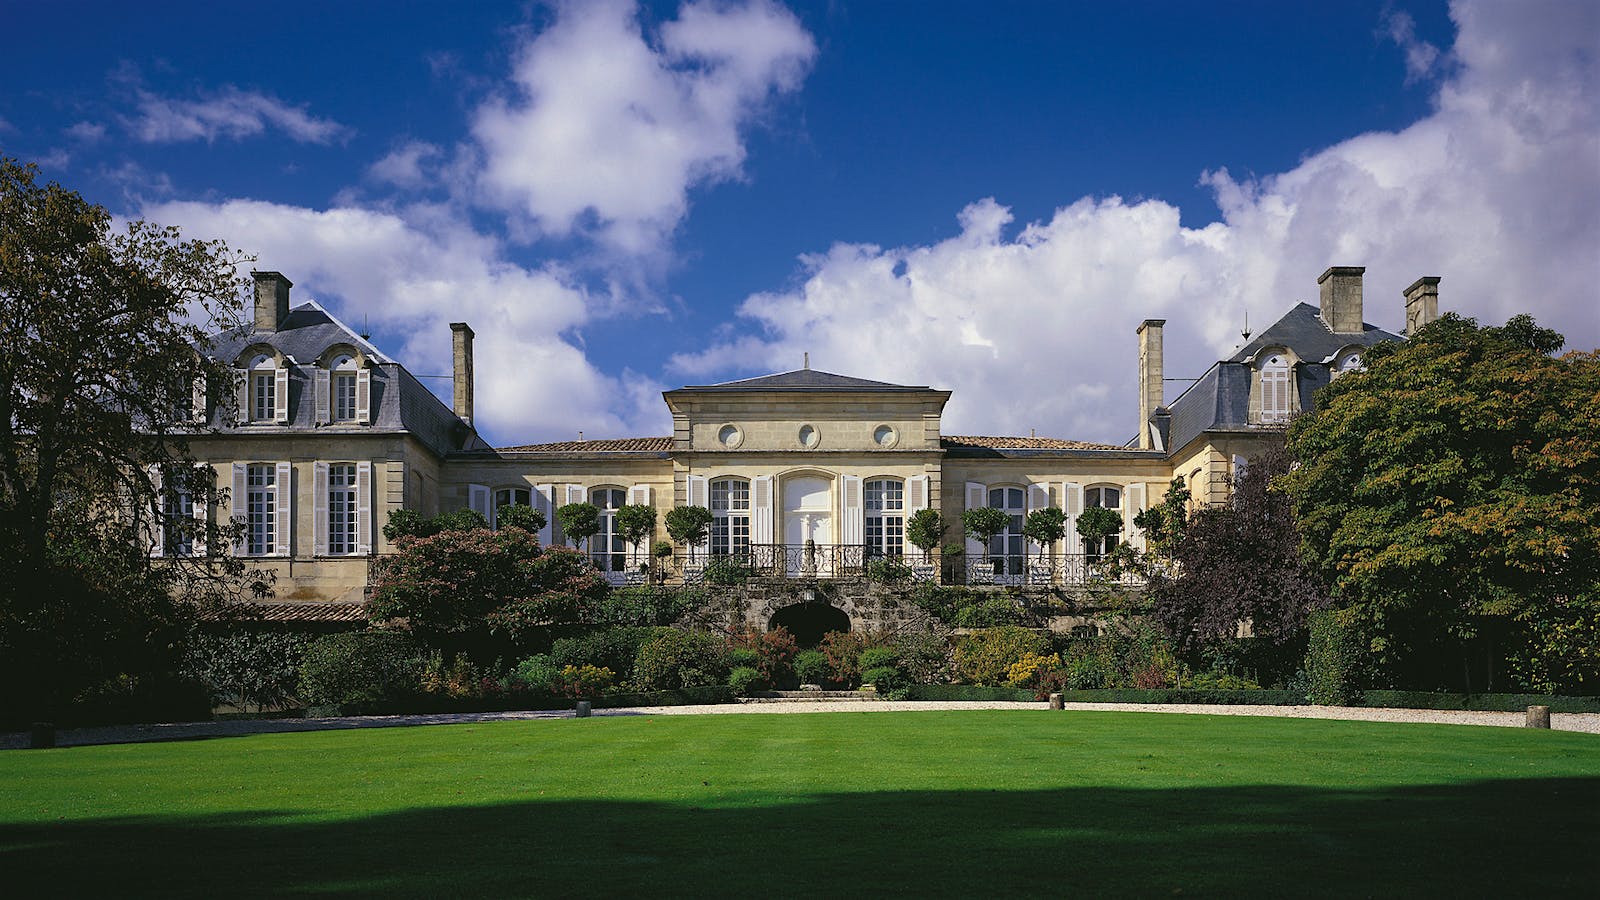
884	436
808	436
729	435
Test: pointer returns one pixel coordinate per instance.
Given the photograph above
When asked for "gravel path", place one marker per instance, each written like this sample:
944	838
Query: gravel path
124	734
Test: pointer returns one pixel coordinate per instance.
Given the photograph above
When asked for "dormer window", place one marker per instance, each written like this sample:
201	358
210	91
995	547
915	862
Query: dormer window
1349	361
1275	388
344	389
263	389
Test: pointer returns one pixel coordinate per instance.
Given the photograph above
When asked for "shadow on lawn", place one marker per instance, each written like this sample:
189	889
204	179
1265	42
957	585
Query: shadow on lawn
1486	838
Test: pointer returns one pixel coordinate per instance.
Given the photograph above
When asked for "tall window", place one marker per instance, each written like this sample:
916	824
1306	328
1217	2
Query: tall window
344	389
1007	545
341	509
178	533
261	507
510	497
607	548
886	517
263	389
730	511
1275	389
1108	498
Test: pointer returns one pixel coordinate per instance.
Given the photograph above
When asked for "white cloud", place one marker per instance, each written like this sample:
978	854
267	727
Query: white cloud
228	113
605	130
404	166
414	273
1420	55
1496	190
85	132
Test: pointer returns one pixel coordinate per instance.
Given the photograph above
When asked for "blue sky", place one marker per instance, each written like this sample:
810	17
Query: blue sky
983	197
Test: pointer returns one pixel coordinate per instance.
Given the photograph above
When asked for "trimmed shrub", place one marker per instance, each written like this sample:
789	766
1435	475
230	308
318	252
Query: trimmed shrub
611	648
716	693
247	668
986	657
539	673
962	692
885	678
1026	671
924	658
1223	681
745	681
811	667
360	669
677	659
877	657
1334	658
744	656
1500	702
775	650
888	571
1186	695
581	682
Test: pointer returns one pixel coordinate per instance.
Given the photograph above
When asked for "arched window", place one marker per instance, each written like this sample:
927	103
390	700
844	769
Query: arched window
513	496
1349	361
730	511
263	389
343	385
1106	498
886	517
607	548
1275	388
1006	549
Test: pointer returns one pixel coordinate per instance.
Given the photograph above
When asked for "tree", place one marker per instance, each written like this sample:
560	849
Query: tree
1163	524
636	522
1238	563
410	523
520	515
105	333
984	523
1097	523
689	525
1045	526
1451	492
925	529
459	582
579	521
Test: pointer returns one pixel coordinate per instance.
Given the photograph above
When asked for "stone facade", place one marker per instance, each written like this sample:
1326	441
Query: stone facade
811	475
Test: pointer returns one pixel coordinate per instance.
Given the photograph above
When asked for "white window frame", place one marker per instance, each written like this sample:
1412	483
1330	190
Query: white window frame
261	509
342	378
885	517
1095	495
344	516
730	516
1009	546
607	549
263	389
1276	386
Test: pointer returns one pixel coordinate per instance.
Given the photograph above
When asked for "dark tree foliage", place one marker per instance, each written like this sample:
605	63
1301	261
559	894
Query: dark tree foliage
1451	493
1238	563
579	521
405	523
925	529
689	525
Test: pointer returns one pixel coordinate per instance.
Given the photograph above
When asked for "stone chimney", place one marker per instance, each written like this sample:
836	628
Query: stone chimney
1150	385
461	374
1422	303
272	300
1341	298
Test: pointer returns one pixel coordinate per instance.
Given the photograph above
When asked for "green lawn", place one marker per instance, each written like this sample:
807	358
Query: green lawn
967	803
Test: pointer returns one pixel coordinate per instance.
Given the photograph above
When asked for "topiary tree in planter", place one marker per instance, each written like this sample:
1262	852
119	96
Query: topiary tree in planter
579	522
1095	525
1045	526
984	523
924	530
635	523
520	515
689	525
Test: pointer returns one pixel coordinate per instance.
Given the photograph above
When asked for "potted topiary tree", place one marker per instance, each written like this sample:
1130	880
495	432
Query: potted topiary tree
924	530
635	523
1044	527
1096	525
689	525
579	522
982	524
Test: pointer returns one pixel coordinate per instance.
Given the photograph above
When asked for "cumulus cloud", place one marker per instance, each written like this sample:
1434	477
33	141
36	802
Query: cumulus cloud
404	166
228	113
1420	55
412	274
86	132
1496	190
604	129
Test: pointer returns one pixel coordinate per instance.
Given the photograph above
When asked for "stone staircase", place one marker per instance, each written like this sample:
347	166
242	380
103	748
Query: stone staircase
813	695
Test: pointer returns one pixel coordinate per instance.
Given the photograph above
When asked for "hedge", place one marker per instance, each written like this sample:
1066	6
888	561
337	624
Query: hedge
525	701
966	692
1484	702
1187	695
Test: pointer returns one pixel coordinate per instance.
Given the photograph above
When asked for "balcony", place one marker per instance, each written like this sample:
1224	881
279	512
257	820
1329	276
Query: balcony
855	561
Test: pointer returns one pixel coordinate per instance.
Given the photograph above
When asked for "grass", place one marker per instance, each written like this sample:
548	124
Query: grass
954	803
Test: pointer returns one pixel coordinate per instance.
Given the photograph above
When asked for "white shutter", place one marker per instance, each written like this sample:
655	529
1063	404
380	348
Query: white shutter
283	500
363	508
1135	505
852	528
639	495
977	498
481	500
241	394
364	396
197	409
158	529
761	510
1072	505
280	395
544	501
1038	498
916	494
575	493
697	490
321	386
319	507
205	478
240	514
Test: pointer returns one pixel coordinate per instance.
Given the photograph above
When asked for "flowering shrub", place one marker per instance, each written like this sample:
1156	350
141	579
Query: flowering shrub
1025	671
986	657
579	682
774	649
842	650
459	679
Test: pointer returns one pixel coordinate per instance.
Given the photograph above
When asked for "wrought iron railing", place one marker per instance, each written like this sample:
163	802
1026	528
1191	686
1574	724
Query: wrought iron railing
823	561
1047	570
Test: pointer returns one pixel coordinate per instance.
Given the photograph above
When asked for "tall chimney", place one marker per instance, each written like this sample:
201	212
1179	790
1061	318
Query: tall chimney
1422	303
461	374
272	300
1341	298
1150	385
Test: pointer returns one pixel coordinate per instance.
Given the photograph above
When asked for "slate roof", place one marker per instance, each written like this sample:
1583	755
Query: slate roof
804	380
400	403
606	445
1302	330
